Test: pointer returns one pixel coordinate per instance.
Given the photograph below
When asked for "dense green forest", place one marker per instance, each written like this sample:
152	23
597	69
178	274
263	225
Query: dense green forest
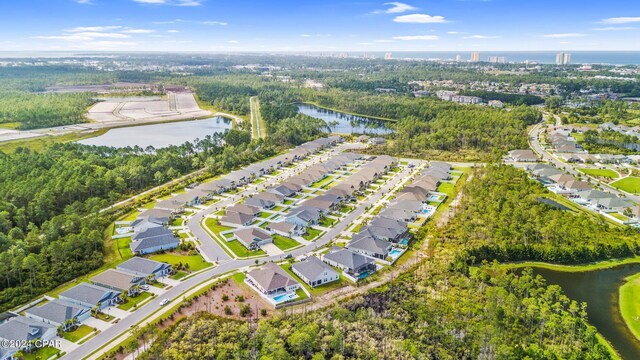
502	218
610	141
430	313
514	99
34	111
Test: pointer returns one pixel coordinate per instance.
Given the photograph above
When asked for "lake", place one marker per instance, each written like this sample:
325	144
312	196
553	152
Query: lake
160	135
347	123
599	289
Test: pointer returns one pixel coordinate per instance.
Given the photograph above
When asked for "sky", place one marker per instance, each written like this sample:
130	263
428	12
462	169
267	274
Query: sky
319	25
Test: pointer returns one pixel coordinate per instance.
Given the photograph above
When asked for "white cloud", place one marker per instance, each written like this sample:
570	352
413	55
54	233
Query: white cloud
70	38
173	31
106	35
305	35
139	31
420	19
565	35
417	37
233	41
366	43
456	32
182	21
84	2
92	28
398	7
621	20
615	28
481	37
383	41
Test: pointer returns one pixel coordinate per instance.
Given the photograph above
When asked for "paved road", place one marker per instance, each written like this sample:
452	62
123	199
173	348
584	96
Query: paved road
255	117
534	143
227	264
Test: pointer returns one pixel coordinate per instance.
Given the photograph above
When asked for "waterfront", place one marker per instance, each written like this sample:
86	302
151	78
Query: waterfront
346	123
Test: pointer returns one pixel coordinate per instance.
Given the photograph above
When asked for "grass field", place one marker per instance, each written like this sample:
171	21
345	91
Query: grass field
133	301
605	173
446	188
42	353
629	305
215	228
323	182
77	334
195	262
242	252
630	184
284	243
311	234
327	222
123	247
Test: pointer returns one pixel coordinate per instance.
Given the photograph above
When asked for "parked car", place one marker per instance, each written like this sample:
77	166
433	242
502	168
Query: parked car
164	302
144	287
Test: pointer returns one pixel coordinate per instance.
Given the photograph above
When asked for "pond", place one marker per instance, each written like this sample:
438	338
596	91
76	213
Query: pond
346	123
160	135
599	289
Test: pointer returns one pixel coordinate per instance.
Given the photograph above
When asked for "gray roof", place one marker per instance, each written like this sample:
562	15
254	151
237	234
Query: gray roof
57	311
594	194
312	268
236	218
348	259
116	279
152	242
256	201
305	213
150	232
281	226
142	266
271	277
397	214
370	244
23	328
89	293
409	205
249	235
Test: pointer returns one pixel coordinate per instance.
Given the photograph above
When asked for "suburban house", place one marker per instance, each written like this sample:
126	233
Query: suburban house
303	216
370	246
377	141
59	313
119	281
152	216
235	219
244	208
252	237
286	229
418	192
314	272
384	229
282	190
89	295
411	196
153	238
139	266
22	329
349	262
322	206
173	205
523	156
271	279
399	214
613	204
259	202
437	173
441	165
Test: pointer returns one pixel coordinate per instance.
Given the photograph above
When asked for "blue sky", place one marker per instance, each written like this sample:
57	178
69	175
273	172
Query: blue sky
315	25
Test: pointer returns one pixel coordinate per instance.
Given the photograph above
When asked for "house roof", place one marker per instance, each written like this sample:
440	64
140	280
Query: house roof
57	311
440	165
141	266
527	155
370	244
269	196
281	226
89	293
152	242
577	185
397	214
236	218
409	205
251	234
594	194
116	279
150	231
255	201
318	203
271	277
22	328
312	268
304	213
283	190
244	208
170	204
348	259
614	203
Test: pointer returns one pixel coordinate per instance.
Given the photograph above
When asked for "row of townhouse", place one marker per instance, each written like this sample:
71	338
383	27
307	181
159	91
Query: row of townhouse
390	228
581	192
74	305
242	215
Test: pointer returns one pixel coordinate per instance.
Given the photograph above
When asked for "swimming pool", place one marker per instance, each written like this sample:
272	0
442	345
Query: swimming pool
394	253
363	275
284	297
404	242
434	197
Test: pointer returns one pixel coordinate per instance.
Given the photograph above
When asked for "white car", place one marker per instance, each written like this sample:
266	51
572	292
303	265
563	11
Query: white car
144	287
164	302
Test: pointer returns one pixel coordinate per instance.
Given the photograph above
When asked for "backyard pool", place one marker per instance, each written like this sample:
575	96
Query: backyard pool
364	275
395	253
284	297
404	242
434	197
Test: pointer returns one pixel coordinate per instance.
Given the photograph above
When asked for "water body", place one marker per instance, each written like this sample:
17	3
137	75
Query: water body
347	124
160	135
543	57
599	289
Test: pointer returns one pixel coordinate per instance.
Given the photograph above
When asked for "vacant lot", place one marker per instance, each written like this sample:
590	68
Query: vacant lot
629	184
195	262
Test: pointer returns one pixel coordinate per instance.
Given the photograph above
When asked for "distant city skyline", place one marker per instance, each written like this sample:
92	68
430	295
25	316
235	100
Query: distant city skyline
331	25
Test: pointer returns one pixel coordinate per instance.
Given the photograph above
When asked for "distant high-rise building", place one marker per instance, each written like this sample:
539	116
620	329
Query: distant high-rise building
563	58
475	56
458	58
388	56
497	59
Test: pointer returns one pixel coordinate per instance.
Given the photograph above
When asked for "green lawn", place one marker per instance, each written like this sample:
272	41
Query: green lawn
177	222
215	228
629	305
104	317
241	251
619	216
327	222
323	182
195	262
606	173
446	188
264	215
311	234
130	216
277	208
77	334
178	275
131	301
284	243
629	184
123	247
41	354
357	228
318	290
288	202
